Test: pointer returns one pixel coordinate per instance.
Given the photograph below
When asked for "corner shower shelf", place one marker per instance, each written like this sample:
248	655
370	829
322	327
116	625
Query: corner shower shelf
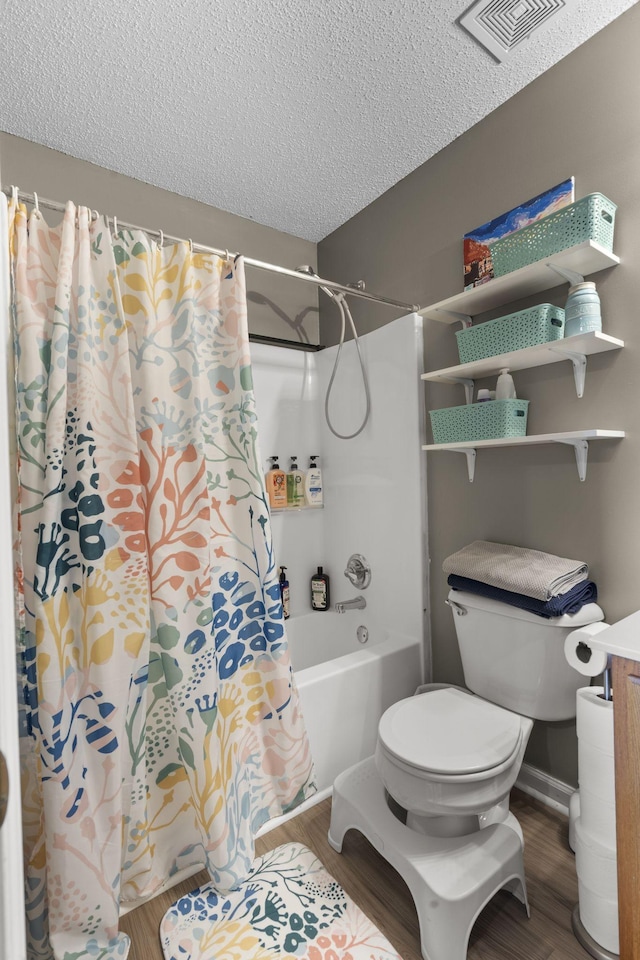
302	509
584	258
578	439
576	349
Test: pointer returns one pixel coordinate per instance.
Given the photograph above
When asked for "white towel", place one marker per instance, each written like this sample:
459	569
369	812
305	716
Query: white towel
530	572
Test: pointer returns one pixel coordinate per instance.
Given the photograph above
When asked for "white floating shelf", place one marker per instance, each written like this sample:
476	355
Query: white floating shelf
579	440
584	258
576	349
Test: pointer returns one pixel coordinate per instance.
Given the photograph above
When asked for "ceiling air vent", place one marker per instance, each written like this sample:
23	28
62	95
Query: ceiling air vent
500	25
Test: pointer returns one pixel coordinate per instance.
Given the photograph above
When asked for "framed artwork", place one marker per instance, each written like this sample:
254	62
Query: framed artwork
478	266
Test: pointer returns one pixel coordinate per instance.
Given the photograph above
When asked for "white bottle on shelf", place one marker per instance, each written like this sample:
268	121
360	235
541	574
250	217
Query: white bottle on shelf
505	387
313	484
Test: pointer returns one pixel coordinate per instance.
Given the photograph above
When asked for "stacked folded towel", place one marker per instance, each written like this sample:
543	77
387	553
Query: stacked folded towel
542	583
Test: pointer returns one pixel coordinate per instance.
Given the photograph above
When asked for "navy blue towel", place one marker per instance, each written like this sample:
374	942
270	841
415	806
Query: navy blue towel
569	602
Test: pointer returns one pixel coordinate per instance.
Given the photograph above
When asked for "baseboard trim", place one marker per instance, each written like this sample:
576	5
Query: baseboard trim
550	791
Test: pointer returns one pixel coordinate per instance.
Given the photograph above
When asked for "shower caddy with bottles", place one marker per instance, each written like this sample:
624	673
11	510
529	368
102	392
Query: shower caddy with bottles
581	259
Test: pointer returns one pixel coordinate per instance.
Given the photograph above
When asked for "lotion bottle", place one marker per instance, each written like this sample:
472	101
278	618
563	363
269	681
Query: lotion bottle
285	593
320	598
313	483
275	481
295	485
505	387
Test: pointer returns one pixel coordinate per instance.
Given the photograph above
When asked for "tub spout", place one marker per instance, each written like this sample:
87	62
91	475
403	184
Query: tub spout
358	603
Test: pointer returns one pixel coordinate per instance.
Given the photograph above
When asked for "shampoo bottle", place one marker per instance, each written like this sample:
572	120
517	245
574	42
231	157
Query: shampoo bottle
284	593
276	485
313	483
295	485
320	598
505	387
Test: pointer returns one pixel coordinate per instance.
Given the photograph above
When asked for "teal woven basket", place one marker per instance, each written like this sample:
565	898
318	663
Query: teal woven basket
488	420
592	218
515	331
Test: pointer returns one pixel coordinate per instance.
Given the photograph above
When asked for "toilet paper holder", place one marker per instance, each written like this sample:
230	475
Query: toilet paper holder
588	660
608	693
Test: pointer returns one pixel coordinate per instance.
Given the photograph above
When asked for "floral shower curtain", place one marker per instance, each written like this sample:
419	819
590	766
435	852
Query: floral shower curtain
160	720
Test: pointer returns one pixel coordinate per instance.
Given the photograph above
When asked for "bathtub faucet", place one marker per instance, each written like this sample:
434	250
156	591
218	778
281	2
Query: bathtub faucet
358	603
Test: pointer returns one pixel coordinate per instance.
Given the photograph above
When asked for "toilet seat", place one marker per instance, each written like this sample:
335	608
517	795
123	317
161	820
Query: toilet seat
450	735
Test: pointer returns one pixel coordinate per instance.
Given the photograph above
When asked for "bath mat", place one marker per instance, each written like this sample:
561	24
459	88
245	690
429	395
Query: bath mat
288	907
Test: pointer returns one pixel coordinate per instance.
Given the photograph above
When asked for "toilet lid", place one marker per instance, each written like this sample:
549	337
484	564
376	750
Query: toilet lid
449	731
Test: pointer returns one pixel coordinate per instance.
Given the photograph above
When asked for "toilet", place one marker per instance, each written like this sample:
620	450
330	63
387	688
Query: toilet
434	800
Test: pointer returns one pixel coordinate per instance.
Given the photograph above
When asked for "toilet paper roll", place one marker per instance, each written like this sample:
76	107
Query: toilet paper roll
579	653
594	718
594	723
596	771
599	917
598	819
596	865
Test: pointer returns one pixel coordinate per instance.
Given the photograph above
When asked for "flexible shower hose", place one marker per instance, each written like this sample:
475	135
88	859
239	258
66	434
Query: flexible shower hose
344	309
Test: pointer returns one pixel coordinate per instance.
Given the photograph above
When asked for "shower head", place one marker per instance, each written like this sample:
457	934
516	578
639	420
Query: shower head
307	269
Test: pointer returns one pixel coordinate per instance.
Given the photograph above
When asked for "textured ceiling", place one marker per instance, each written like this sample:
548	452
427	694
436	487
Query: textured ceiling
292	113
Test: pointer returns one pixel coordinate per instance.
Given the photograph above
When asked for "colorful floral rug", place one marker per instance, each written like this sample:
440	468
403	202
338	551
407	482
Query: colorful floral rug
288	907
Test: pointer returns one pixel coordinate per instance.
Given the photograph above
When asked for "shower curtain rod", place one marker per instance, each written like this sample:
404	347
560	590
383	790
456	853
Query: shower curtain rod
38	201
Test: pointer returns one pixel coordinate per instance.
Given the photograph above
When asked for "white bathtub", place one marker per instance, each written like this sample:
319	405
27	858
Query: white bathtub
345	686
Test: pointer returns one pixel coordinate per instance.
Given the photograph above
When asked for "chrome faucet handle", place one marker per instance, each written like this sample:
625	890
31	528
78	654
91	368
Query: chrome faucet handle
358	571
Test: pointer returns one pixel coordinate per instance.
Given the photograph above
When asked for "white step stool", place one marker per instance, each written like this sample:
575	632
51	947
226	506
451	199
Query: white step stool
450	878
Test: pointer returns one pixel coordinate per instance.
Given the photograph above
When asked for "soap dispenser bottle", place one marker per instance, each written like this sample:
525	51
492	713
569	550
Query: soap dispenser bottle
275	481
295	485
505	387
313	483
284	593
320	598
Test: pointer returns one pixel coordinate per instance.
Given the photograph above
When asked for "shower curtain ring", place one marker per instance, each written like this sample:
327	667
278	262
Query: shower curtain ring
15	194
190	245
115	227
161	240
36	206
226	256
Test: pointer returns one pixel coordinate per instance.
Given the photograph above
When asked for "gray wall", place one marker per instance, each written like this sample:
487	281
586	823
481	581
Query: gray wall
579	118
278	307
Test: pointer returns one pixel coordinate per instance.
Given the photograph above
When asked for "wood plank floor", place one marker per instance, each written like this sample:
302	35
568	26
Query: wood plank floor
502	931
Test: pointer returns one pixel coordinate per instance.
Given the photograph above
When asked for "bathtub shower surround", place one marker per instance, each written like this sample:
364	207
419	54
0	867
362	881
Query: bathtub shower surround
374	486
375	507
160	721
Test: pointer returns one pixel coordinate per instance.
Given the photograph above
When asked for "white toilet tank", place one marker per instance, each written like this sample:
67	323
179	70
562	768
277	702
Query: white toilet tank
516	659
